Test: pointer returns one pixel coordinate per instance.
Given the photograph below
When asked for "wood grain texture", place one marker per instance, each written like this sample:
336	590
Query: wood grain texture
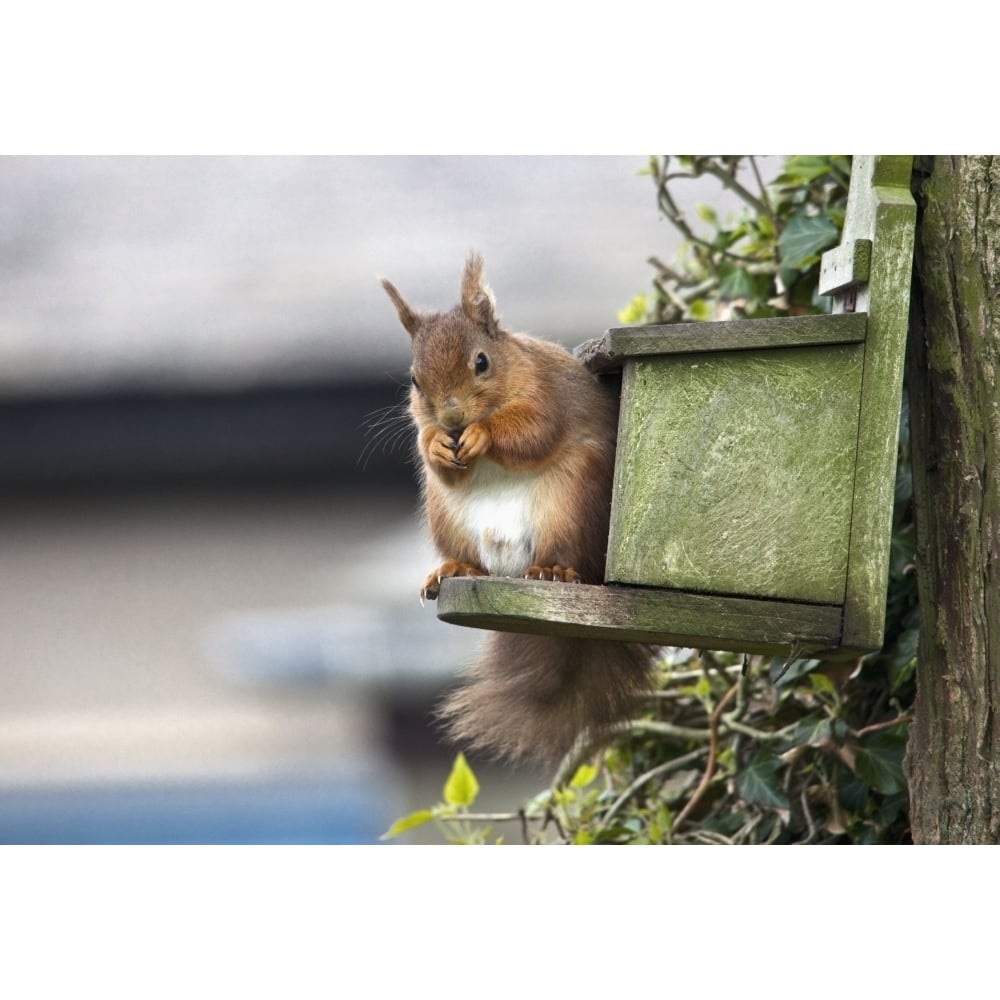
846	265
610	352
953	757
735	472
880	208
637	614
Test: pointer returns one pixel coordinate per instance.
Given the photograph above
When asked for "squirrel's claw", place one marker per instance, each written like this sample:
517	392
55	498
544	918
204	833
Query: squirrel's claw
451	567
475	441
561	574
442	452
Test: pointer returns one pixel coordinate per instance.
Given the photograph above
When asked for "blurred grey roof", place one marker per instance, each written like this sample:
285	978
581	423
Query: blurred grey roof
224	272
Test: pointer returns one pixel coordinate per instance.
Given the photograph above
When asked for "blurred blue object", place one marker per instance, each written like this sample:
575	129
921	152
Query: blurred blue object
277	810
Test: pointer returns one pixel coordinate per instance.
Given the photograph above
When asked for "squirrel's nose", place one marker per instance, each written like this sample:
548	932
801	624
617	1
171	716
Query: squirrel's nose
451	413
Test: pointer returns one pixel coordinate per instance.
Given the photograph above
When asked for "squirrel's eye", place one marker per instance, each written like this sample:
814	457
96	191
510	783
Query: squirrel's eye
482	363
414	382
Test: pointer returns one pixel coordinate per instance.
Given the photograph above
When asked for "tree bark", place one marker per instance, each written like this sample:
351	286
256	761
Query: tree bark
953	758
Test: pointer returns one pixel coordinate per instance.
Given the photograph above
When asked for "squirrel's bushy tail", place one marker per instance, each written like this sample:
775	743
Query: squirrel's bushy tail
530	696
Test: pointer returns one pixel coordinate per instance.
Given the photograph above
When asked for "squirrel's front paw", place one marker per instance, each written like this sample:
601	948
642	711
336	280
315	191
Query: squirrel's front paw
451	567
442	449
561	574
475	441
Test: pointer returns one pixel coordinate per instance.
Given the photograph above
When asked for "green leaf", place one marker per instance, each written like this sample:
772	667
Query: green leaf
736	284
758	782
880	762
707	214
461	788
796	669
804	237
635	311
702	688
822	684
699	309
799	170
414	819
901	663
811	732
584	775
677	784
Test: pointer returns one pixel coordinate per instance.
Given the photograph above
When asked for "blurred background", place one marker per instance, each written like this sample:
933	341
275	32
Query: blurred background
209	564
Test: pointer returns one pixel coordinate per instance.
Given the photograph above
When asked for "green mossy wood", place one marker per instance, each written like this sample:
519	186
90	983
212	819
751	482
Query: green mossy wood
756	466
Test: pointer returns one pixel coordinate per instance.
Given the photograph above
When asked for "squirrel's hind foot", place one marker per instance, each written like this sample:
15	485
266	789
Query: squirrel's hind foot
451	567
561	574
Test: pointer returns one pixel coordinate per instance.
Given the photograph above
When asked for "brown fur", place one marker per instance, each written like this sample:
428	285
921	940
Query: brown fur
482	394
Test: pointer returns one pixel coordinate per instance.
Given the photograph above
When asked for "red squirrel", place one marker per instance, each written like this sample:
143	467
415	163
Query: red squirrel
517	441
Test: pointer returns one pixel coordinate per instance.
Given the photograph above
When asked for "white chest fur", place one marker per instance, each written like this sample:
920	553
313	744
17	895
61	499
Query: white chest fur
496	509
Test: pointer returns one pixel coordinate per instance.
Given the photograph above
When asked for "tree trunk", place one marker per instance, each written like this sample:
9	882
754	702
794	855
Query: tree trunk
953	759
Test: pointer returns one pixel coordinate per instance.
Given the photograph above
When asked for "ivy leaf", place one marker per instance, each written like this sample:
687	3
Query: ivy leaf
584	775
461	788
800	170
758	782
699	309
635	311
707	214
797	668
736	284
822	684
414	819
811	732
901	663
880	762
805	236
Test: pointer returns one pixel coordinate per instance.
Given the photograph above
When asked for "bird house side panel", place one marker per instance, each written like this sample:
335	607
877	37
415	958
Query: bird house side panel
735	472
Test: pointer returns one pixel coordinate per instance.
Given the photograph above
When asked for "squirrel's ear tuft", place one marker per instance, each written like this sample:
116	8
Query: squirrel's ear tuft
409	319
477	297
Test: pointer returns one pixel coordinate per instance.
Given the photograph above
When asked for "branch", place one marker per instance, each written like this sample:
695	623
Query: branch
906	717
765	197
666	768
757	734
676	218
668	729
729	181
713	746
492	817
803	799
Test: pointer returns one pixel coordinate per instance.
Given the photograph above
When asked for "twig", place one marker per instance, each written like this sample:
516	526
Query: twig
524	826
676	218
757	734
888	724
713	745
667	270
690	675
728	180
803	799
490	817
764	196
793	655
551	817
668	729
744	831
710	837
582	748
665	768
